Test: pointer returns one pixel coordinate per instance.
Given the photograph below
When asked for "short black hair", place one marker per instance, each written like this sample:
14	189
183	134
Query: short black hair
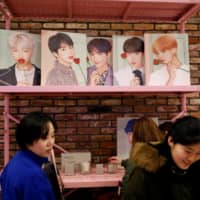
165	126
133	45
102	45
56	40
186	130
32	127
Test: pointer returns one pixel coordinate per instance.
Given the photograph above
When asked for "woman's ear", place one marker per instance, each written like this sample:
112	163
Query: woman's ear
170	141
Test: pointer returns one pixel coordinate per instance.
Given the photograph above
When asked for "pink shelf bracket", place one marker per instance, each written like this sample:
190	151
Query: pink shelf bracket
179	115
8	23
60	148
7	118
6	13
183	108
182	27
184	102
6	128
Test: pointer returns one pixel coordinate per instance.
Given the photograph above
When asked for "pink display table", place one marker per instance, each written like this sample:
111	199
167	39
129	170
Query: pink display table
93	180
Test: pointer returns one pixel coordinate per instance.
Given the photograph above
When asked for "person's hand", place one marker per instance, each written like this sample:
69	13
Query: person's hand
94	78
135	81
23	83
115	160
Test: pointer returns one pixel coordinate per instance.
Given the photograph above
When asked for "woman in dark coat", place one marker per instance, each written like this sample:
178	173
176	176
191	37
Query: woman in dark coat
168	170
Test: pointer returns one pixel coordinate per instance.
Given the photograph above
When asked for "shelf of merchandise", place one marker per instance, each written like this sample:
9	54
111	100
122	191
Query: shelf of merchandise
168	11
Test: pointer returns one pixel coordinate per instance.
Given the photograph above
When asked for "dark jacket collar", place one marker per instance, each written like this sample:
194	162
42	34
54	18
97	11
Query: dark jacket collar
34	157
153	156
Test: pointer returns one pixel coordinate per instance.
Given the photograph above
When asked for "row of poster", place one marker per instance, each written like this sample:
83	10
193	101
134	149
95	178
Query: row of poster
65	58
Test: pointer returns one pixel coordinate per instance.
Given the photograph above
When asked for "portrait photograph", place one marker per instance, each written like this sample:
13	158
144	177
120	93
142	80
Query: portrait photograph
167	59
20	58
123	144
63	58
99	61
124	127
128	60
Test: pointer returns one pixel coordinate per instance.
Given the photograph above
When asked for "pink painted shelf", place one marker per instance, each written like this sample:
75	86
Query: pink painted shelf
85	90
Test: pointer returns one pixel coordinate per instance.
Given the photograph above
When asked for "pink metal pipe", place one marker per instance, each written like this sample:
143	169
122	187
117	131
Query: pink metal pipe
183	102
8	22
179	115
7	118
182	27
13	118
60	148
6	129
183	108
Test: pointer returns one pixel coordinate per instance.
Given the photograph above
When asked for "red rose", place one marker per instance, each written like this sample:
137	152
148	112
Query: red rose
123	55
156	62
77	60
